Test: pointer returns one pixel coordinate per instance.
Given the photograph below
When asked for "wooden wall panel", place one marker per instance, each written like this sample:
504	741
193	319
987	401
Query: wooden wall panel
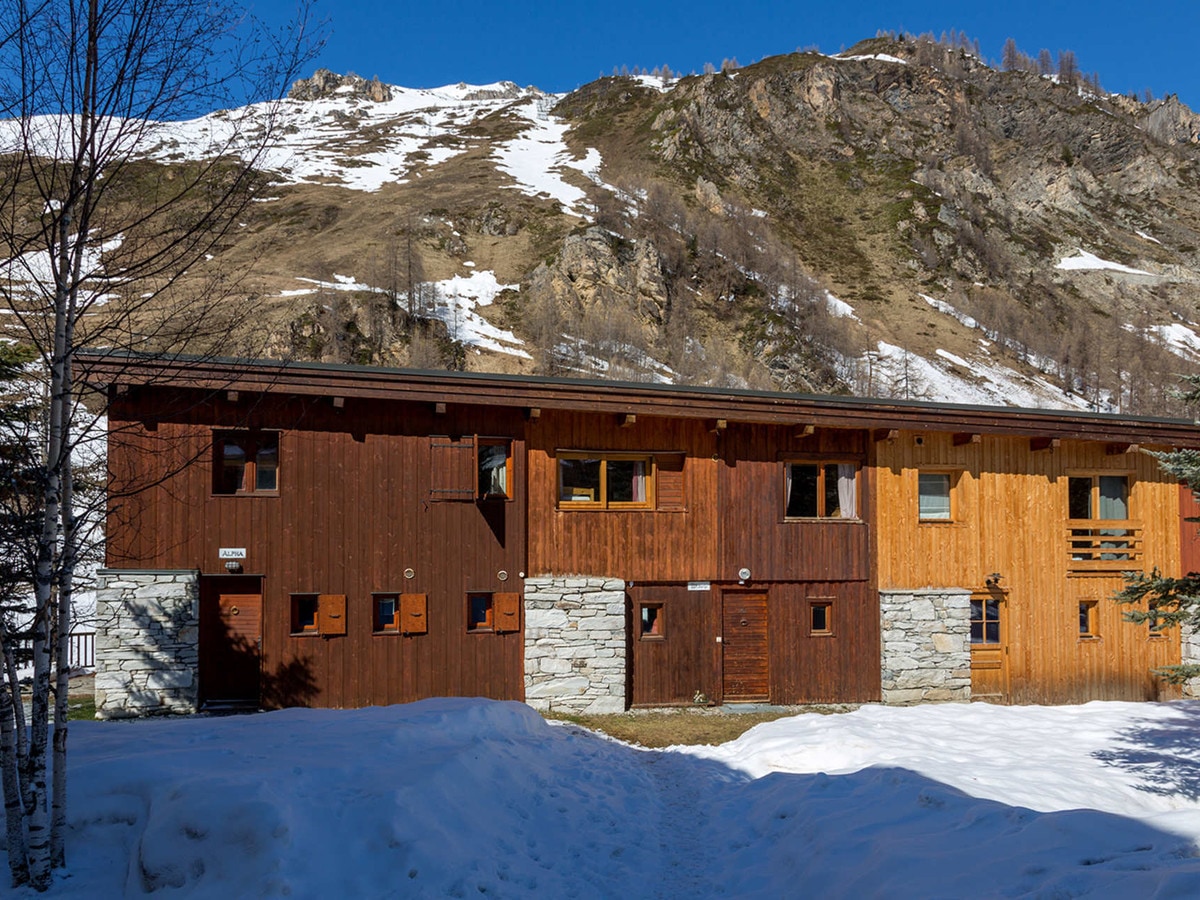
753	531
1189	532
1011	518
352	514
636	545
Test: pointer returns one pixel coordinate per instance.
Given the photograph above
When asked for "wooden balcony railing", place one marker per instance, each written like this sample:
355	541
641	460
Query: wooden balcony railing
1100	545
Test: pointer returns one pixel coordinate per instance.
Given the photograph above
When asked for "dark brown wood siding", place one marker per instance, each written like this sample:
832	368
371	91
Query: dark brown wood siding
353	512
753	531
675	544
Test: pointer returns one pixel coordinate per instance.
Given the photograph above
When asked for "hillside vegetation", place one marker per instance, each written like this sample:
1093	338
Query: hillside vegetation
900	220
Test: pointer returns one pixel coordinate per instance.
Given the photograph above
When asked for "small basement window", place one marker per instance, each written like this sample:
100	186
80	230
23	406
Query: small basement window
323	614
651	622
387	612
479	611
820	617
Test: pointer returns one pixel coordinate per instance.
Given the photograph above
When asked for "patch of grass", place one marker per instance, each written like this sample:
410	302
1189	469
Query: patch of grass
665	728
81	707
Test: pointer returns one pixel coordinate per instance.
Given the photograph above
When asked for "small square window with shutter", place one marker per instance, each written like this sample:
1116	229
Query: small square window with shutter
318	614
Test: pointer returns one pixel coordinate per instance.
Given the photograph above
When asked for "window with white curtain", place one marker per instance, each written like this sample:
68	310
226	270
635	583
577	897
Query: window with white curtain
821	490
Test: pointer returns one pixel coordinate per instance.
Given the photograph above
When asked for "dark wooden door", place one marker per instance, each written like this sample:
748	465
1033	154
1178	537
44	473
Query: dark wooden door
744	643
230	641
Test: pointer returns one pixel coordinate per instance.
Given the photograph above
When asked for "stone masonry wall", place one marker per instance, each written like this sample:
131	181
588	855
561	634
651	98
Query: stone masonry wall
575	644
925	645
1189	655
147	630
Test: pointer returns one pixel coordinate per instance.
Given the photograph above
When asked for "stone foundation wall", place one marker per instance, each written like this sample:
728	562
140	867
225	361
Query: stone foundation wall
147	630
1189	655
575	644
925	645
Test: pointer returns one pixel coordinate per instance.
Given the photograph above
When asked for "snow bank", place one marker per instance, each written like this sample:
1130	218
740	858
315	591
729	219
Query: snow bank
1085	261
460	797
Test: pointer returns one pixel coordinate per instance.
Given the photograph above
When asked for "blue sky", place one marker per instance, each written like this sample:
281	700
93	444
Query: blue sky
558	46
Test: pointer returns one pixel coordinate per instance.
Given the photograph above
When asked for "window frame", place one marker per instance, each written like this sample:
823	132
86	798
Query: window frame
1089	620
507	444
1095	548
659	627
604	457
952	477
329	615
488	623
821	463
1094	493
253	441
825	603
985	602
378	625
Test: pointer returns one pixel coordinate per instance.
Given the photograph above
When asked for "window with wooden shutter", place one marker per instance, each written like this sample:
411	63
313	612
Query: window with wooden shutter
670	481
506	612
413	614
331	614
452	468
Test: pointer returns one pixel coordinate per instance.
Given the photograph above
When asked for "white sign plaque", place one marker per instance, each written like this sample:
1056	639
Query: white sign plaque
699	586
231	553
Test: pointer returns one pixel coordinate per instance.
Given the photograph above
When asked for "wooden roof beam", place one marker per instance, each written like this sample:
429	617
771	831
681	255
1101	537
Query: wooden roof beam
533	413
719	425
884	434
1117	449
1044	443
339	402
626	419
962	438
803	431
439	409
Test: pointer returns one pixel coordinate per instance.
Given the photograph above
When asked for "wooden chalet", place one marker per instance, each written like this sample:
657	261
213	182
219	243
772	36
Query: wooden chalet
307	534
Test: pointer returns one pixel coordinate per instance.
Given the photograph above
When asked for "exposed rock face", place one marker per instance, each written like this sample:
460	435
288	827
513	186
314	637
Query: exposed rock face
325	84
1172	122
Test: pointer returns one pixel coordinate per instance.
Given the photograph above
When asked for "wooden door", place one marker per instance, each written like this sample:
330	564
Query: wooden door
744	647
230	641
989	646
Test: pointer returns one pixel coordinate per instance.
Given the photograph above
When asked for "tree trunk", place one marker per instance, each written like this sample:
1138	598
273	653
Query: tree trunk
14	811
62	686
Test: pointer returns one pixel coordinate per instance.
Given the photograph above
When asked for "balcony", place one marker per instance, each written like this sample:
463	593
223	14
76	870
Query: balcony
1103	546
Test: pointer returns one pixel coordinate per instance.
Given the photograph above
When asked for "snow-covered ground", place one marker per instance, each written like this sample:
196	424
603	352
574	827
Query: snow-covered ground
459	797
1087	262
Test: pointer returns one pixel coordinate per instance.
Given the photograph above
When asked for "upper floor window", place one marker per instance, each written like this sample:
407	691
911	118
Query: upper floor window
245	462
821	490
1098	497
933	496
605	481
493	465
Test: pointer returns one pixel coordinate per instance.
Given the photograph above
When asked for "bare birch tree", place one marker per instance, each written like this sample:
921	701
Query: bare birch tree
97	241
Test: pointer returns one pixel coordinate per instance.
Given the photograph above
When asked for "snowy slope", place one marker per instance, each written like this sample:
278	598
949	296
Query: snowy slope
461	797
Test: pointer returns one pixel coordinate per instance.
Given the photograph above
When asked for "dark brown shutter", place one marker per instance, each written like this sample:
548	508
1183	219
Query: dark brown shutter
452	468
331	614
412	614
669	486
506	612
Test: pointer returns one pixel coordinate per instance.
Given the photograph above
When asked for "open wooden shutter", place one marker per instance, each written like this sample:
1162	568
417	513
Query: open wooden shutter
413	614
506	612
670	481
452	468
331	614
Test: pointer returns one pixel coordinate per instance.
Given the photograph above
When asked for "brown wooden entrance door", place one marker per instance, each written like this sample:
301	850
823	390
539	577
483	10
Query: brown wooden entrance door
744	647
230	640
989	646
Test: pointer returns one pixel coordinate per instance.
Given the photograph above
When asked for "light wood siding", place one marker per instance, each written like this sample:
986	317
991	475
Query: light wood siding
1010	513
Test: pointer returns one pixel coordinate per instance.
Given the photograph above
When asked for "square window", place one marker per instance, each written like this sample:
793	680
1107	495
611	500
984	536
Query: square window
245	462
933	496
651	622
305	613
479	612
1103	501
821	490
387	612
985	620
820	617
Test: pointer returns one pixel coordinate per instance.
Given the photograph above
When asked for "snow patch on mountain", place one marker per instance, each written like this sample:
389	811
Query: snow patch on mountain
536	157
1084	261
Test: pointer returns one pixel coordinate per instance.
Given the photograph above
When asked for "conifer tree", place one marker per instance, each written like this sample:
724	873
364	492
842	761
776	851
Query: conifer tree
1157	600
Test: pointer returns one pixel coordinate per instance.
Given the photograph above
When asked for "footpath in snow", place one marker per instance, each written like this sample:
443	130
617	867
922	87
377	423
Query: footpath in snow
462	798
